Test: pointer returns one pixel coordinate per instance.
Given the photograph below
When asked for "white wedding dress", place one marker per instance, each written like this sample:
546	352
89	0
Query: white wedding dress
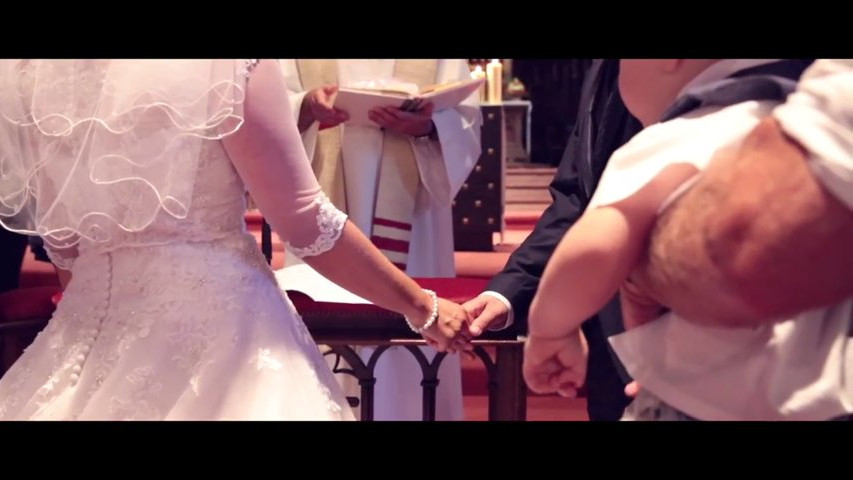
179	320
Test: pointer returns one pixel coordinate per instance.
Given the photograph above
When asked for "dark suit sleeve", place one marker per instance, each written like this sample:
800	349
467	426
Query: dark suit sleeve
520	277
603	126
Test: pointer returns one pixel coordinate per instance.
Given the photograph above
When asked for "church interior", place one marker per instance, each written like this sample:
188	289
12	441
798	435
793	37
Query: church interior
528	108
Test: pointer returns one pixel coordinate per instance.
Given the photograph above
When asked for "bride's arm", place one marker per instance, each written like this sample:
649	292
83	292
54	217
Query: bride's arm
269	156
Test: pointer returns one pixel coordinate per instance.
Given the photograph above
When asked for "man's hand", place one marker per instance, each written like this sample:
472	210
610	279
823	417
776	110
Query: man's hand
414	124
486	311
556	364
318	106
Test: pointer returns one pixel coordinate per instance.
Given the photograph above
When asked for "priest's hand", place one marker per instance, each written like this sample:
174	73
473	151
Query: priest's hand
318	106
414	124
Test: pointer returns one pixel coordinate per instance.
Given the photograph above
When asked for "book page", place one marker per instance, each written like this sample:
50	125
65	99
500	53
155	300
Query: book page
357	102
301	277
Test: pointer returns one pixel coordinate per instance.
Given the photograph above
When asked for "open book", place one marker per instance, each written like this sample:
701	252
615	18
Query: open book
358	101
300	277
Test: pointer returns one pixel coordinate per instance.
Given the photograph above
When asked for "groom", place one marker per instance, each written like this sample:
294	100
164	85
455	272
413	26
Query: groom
603	126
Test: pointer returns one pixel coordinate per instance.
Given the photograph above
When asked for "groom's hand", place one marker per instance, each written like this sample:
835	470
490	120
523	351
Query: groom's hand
486	311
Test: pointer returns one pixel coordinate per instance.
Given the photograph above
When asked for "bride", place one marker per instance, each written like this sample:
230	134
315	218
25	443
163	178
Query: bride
134	172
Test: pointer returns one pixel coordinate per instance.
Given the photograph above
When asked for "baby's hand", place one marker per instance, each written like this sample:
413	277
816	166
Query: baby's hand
556	364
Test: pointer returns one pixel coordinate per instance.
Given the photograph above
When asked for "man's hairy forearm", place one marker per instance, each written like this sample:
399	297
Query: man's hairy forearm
757	239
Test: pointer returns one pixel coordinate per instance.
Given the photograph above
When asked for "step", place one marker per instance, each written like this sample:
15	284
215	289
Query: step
526	207
529	179
527	195
480	264
518	219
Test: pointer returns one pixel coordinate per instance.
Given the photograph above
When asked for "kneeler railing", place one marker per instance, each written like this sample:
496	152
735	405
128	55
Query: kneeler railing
344	326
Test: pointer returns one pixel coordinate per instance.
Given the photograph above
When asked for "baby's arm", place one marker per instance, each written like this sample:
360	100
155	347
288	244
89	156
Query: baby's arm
596	256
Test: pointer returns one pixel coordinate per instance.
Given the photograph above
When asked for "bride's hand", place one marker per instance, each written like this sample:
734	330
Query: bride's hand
449	332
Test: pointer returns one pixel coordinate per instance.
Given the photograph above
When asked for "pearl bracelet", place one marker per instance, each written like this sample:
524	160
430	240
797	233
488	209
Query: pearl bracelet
432	318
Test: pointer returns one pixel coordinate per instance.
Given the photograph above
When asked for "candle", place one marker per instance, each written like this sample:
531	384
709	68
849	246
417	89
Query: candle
477	74
494	77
